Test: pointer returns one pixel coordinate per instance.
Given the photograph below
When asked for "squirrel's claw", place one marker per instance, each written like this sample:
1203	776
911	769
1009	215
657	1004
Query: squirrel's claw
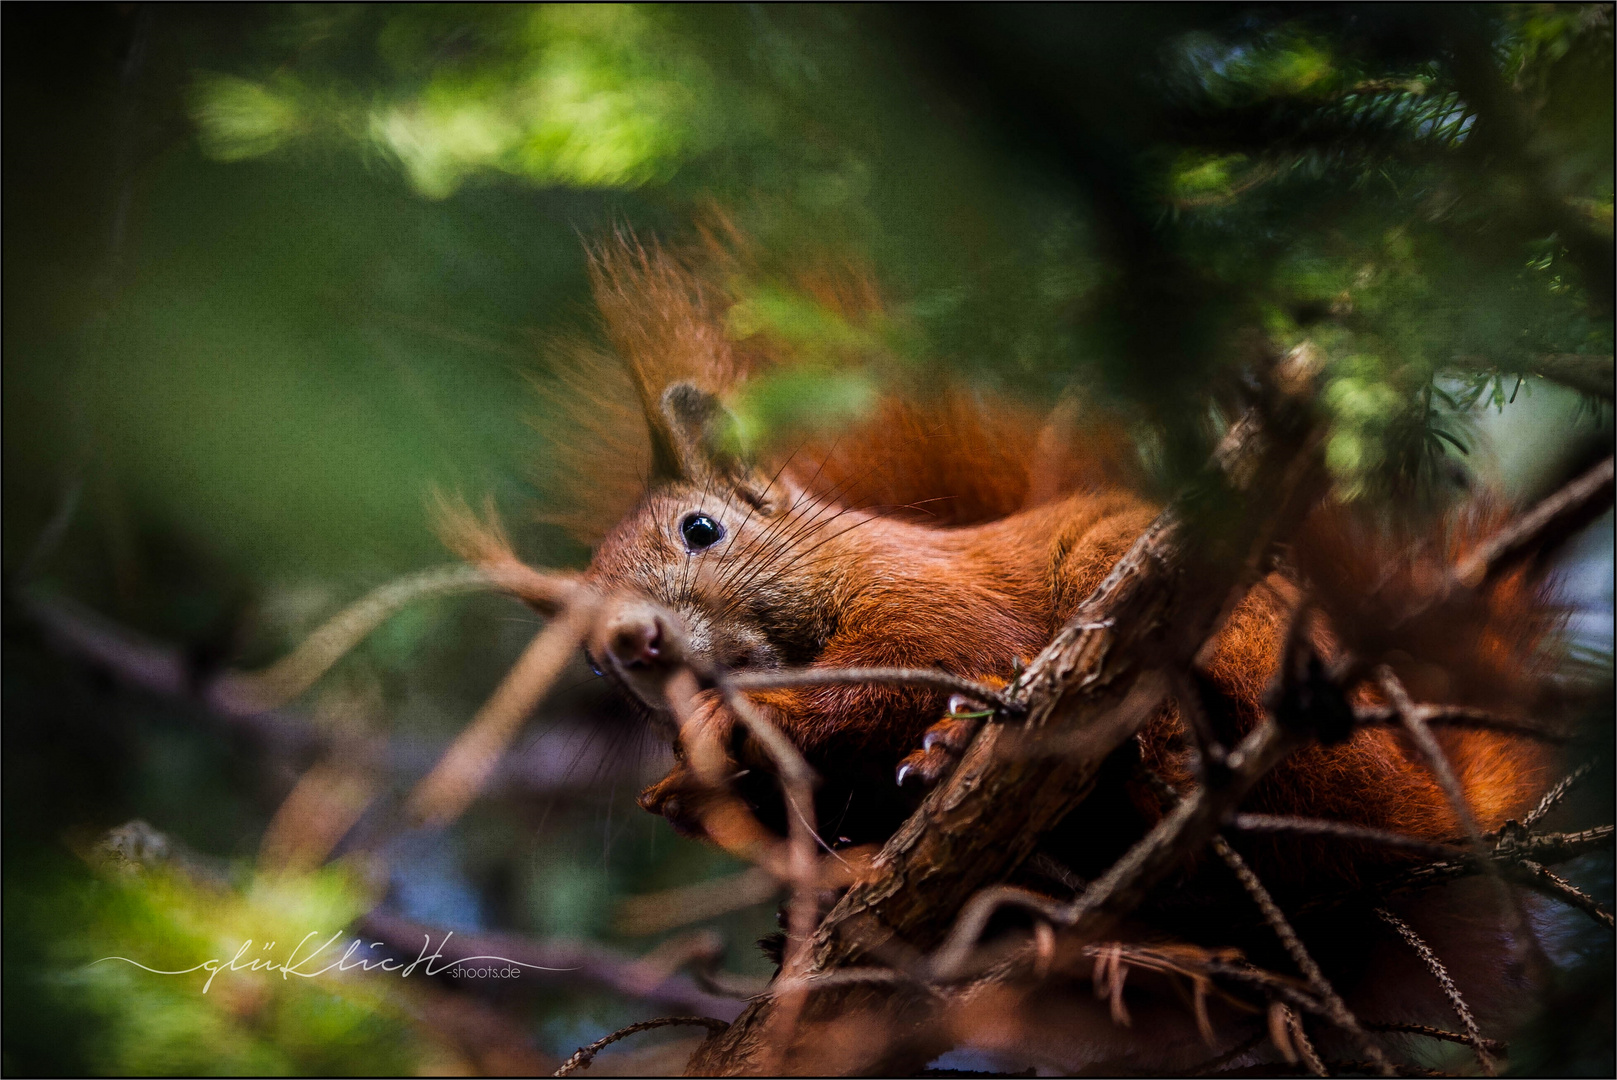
953	733
941	748
924	768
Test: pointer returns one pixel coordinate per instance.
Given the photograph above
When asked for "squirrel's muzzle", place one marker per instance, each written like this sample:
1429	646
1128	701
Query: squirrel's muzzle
638	639
642	644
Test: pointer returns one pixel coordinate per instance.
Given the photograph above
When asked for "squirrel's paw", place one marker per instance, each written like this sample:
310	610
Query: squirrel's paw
941	747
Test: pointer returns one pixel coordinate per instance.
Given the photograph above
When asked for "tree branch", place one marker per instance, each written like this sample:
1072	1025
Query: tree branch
1537	876
1552	798
1544	848
1450	991
1335	1008
1460	716
922	677
585	1054
1270	823
1551	521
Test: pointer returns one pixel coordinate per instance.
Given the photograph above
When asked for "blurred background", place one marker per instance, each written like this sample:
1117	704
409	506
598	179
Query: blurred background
272	273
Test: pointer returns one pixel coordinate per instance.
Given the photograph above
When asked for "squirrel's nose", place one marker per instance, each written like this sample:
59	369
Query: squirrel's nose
637	636
637	642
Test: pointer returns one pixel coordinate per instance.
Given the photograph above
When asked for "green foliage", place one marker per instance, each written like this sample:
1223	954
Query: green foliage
585	95
234	1022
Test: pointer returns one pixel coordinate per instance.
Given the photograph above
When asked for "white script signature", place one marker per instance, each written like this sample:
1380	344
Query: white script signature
348	961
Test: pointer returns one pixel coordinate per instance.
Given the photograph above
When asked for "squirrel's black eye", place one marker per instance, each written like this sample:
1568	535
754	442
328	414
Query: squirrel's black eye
700	531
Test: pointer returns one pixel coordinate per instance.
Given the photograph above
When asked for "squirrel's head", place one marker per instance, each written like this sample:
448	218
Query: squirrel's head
712	566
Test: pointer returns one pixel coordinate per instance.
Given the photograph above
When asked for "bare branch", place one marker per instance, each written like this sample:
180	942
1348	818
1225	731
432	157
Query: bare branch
1450	991
1554	847
1302	1043
1548	847
1525	943
1336	1010
1191	823
1538	876
1245	1046
1495	1046
298	670
585	1054
1269	823
1462	717
1591	374
1552	798
1207	965
1557	517
153	666
1436	760
922	677
460	774
1586	373
659	911
797	781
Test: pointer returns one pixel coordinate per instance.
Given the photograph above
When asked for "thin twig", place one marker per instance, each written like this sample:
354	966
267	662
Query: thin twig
165	669
297	671
1538	876
1185	827
797	781
1553	797
1474	1036
585	1054
1303	1044
1192	822
869	976
1546	847
460	774
1210	752
1590	374
655	912
922	677
1438	762
1432	751
1200	964
152	666
1245	1046
1525	943
1496	1046
1337	1010
1574	505
1272	823
1462	717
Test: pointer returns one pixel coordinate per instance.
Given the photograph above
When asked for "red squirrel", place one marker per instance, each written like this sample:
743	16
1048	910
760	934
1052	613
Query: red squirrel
802	562
833	556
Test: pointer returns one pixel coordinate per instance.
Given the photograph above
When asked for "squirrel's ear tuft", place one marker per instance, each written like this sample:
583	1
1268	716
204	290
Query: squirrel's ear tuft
695	440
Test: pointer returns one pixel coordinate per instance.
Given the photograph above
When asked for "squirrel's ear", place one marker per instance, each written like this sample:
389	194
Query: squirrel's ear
695	439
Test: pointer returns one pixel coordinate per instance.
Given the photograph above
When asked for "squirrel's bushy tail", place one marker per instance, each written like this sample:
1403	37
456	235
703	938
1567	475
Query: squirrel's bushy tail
929	447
